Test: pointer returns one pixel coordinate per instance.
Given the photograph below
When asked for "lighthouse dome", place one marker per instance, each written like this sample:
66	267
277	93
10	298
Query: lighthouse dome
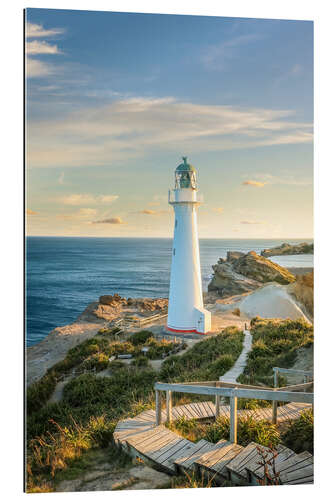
185	167
185	176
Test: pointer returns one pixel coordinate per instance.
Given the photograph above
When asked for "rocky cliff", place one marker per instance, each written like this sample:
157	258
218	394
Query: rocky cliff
241	273
287	249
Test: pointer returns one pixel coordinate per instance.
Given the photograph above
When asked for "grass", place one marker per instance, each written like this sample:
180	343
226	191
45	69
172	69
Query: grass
60	434
299	435
206	360
262	432
275	343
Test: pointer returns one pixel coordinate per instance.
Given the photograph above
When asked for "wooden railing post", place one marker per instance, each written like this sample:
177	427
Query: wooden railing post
233	419
274	405
169	407
158	408
217	405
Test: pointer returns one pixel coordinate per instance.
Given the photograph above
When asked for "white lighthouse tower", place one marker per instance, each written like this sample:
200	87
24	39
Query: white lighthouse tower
186	313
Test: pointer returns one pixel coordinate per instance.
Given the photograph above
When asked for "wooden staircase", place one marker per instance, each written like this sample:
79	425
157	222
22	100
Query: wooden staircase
167	451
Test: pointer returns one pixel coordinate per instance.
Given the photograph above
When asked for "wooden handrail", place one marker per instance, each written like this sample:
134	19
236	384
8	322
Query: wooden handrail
270	394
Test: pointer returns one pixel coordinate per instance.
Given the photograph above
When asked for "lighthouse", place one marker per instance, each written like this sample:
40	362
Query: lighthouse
186	312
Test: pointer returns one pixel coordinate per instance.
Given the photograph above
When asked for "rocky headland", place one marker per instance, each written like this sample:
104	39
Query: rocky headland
241	273
109	308
288	249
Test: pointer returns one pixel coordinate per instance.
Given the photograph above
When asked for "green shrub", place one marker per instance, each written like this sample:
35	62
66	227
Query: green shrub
98	362
260	431
198	362
39	392
299	435
141	337
275	343
140	361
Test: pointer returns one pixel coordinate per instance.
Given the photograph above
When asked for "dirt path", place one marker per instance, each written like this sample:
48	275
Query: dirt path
238	368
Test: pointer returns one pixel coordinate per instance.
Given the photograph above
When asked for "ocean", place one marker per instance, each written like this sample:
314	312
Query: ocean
63	275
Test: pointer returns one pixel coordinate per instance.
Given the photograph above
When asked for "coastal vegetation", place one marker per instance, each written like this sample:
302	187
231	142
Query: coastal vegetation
260	431
275	343
59	433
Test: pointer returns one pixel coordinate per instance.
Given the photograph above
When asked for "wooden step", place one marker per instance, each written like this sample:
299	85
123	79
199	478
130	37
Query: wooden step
214	463
256	472
186	461
297	470
236	468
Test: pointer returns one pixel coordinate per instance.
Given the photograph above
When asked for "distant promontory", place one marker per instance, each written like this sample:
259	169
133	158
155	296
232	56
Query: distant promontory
288	249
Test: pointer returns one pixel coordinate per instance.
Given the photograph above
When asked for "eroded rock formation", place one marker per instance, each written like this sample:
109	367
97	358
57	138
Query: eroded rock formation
241	273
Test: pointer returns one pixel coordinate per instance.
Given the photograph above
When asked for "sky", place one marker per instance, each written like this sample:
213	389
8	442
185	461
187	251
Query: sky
114	100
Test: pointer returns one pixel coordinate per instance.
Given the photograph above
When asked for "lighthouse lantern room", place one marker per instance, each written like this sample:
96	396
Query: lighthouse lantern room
186	312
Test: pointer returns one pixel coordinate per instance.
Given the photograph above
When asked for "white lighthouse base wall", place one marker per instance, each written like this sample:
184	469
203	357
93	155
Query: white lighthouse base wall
203	320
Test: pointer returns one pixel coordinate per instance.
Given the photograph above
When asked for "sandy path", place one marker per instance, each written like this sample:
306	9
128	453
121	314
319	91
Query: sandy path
238	368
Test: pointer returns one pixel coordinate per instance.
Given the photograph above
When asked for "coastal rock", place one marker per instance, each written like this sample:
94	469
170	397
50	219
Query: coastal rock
226	281
263	270
288	249
240	273
147	304
112	300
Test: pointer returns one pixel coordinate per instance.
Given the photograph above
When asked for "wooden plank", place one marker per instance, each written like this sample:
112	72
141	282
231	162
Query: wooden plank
303	480
294	462
197	451
189	412
212	458
301	473
136	440
220	466
174	452
197	409
157	444
237	465
259	470
178	450
207	457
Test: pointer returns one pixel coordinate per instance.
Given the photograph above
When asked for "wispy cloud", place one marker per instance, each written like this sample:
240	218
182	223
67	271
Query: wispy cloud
216	57
61	178
218	210
111	220
284	179
84	199
31	212
257	184
152	212
34	30
35	68
41	47
133	128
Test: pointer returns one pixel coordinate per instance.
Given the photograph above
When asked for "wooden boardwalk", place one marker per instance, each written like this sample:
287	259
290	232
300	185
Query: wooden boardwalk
168	451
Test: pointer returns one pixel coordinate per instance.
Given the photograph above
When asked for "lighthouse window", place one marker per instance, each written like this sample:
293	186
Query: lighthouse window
176	222
174	251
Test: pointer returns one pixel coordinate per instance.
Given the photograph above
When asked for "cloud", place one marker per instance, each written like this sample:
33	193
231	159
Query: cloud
33	30
127	129
82	199
34	67
41	47
111	220
61	178
218	210
254	183
38	69
285	179
31	212
252	222
217	56
152	212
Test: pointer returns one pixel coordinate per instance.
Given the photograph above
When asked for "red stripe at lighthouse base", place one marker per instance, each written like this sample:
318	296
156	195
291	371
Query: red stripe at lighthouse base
183	331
